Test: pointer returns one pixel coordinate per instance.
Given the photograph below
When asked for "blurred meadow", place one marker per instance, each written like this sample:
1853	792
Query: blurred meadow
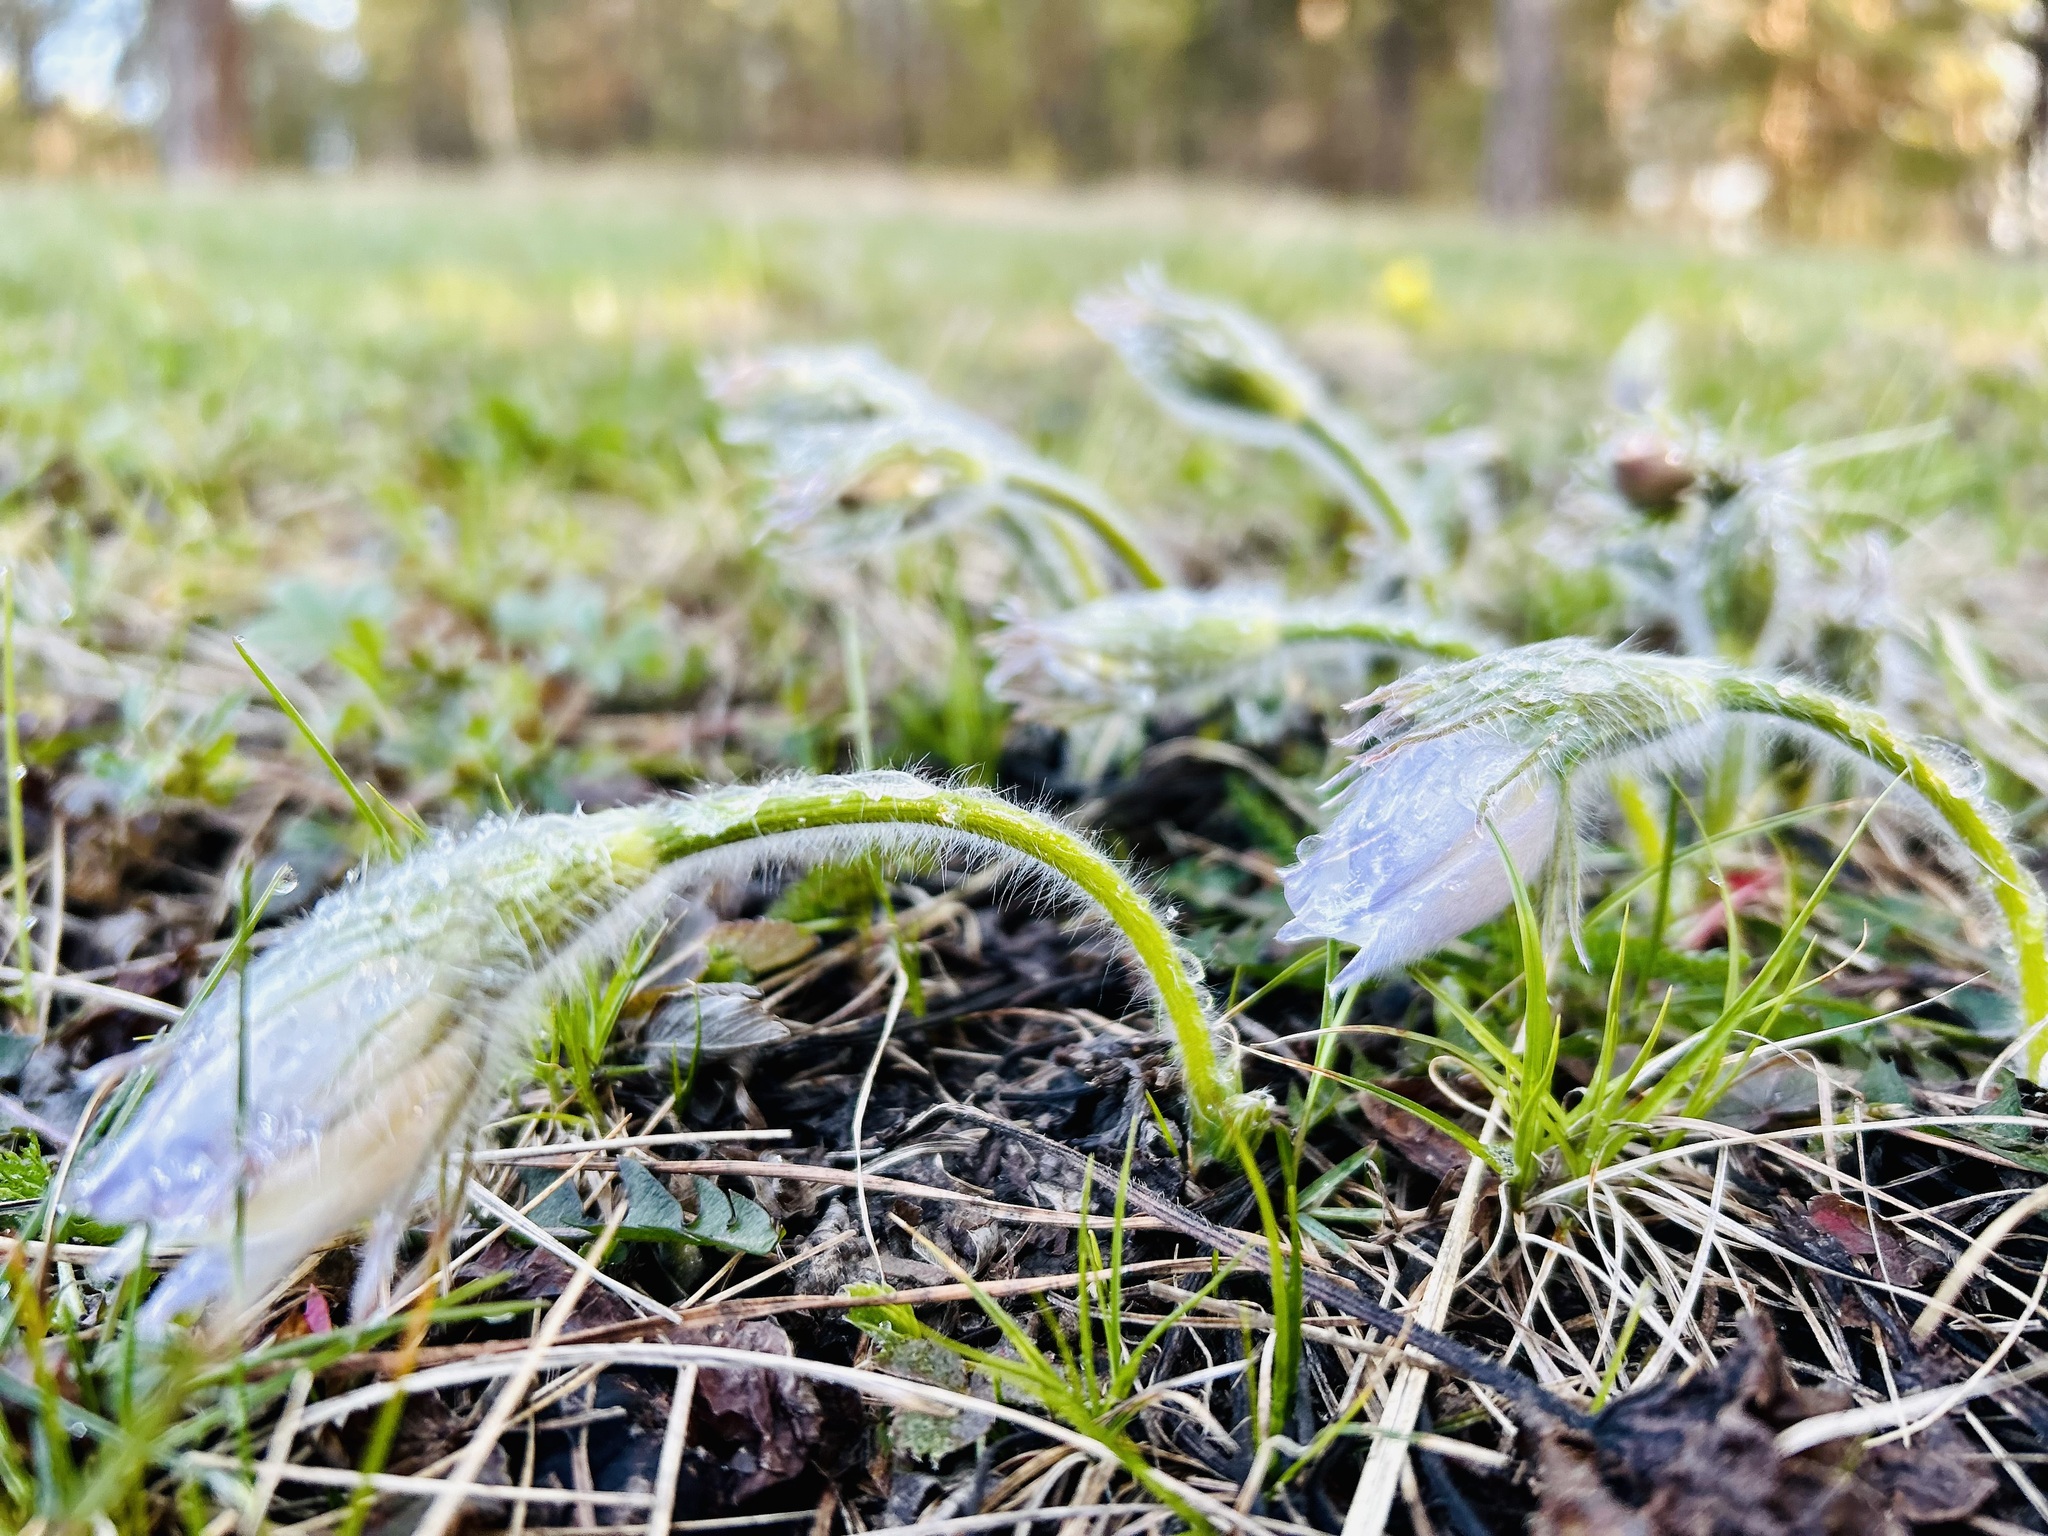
322	414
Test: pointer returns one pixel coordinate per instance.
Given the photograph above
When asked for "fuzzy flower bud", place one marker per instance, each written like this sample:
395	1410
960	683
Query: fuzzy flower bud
1407	863
1137	654
863	456
1403	866
379	1032
1219	371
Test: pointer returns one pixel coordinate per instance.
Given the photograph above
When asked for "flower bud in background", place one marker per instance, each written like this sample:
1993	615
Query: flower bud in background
1649	473
863	456
1219	371
1742	567
1137	654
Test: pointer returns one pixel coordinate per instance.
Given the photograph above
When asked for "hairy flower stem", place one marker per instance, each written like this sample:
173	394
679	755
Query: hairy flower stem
1866	732
1422	638
800	807
1099	519
1369	485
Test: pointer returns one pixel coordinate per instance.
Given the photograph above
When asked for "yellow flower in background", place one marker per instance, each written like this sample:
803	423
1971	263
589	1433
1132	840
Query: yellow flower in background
1405	287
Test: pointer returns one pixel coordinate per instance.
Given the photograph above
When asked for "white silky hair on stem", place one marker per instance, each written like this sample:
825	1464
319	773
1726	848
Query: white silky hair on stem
386	1024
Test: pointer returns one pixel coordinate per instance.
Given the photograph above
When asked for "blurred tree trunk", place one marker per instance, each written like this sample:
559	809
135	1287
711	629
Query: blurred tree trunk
1521	124
1396	59
204	129
493	110
25	21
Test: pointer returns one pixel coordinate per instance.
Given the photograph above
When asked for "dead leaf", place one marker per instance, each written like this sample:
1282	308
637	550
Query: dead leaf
765	1424
1698	1457
757	946
1902	1260
1414	1138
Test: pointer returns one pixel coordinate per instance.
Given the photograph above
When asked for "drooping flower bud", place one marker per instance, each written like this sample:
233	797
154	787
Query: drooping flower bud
1136	654
863	456
1407	863
1500	738
1221	372
377	1033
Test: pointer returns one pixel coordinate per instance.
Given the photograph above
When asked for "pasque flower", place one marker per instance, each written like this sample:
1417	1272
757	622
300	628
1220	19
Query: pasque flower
1407	863
378	1032
863	455
1455	753
1222	372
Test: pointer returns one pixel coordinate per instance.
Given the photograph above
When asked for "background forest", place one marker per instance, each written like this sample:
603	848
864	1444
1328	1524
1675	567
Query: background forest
1831	119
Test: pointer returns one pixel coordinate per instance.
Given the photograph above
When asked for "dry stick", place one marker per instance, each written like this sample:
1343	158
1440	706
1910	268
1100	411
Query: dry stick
748	1308
1979	1253
670	1467
897	994
586	1269
278	1458
441	1513
394	1482
1373	1499
91	992
1528	1403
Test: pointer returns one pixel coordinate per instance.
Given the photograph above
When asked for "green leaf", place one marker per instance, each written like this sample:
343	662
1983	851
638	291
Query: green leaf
562	1210
23	1176
730	1221
1882	1084
653	1215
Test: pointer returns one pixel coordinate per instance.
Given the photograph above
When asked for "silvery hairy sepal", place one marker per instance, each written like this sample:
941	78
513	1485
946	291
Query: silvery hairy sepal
1134	655
1221	372
841	424
1405	865
379	1032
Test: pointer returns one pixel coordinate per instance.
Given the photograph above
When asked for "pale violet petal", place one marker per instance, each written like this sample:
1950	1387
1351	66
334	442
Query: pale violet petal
1408	863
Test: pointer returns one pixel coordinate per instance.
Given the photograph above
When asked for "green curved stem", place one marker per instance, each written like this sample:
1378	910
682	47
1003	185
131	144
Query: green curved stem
1369	481
1101	520
1866	732
799	806
1402	634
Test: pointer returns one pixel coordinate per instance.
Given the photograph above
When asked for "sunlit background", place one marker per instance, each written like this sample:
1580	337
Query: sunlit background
1831	120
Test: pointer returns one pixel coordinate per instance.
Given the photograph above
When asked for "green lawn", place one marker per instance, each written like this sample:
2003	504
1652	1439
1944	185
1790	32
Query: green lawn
484	396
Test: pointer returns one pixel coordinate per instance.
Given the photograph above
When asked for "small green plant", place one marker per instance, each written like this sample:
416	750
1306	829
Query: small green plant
1089	1376
863	456
1466	778
387	1023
